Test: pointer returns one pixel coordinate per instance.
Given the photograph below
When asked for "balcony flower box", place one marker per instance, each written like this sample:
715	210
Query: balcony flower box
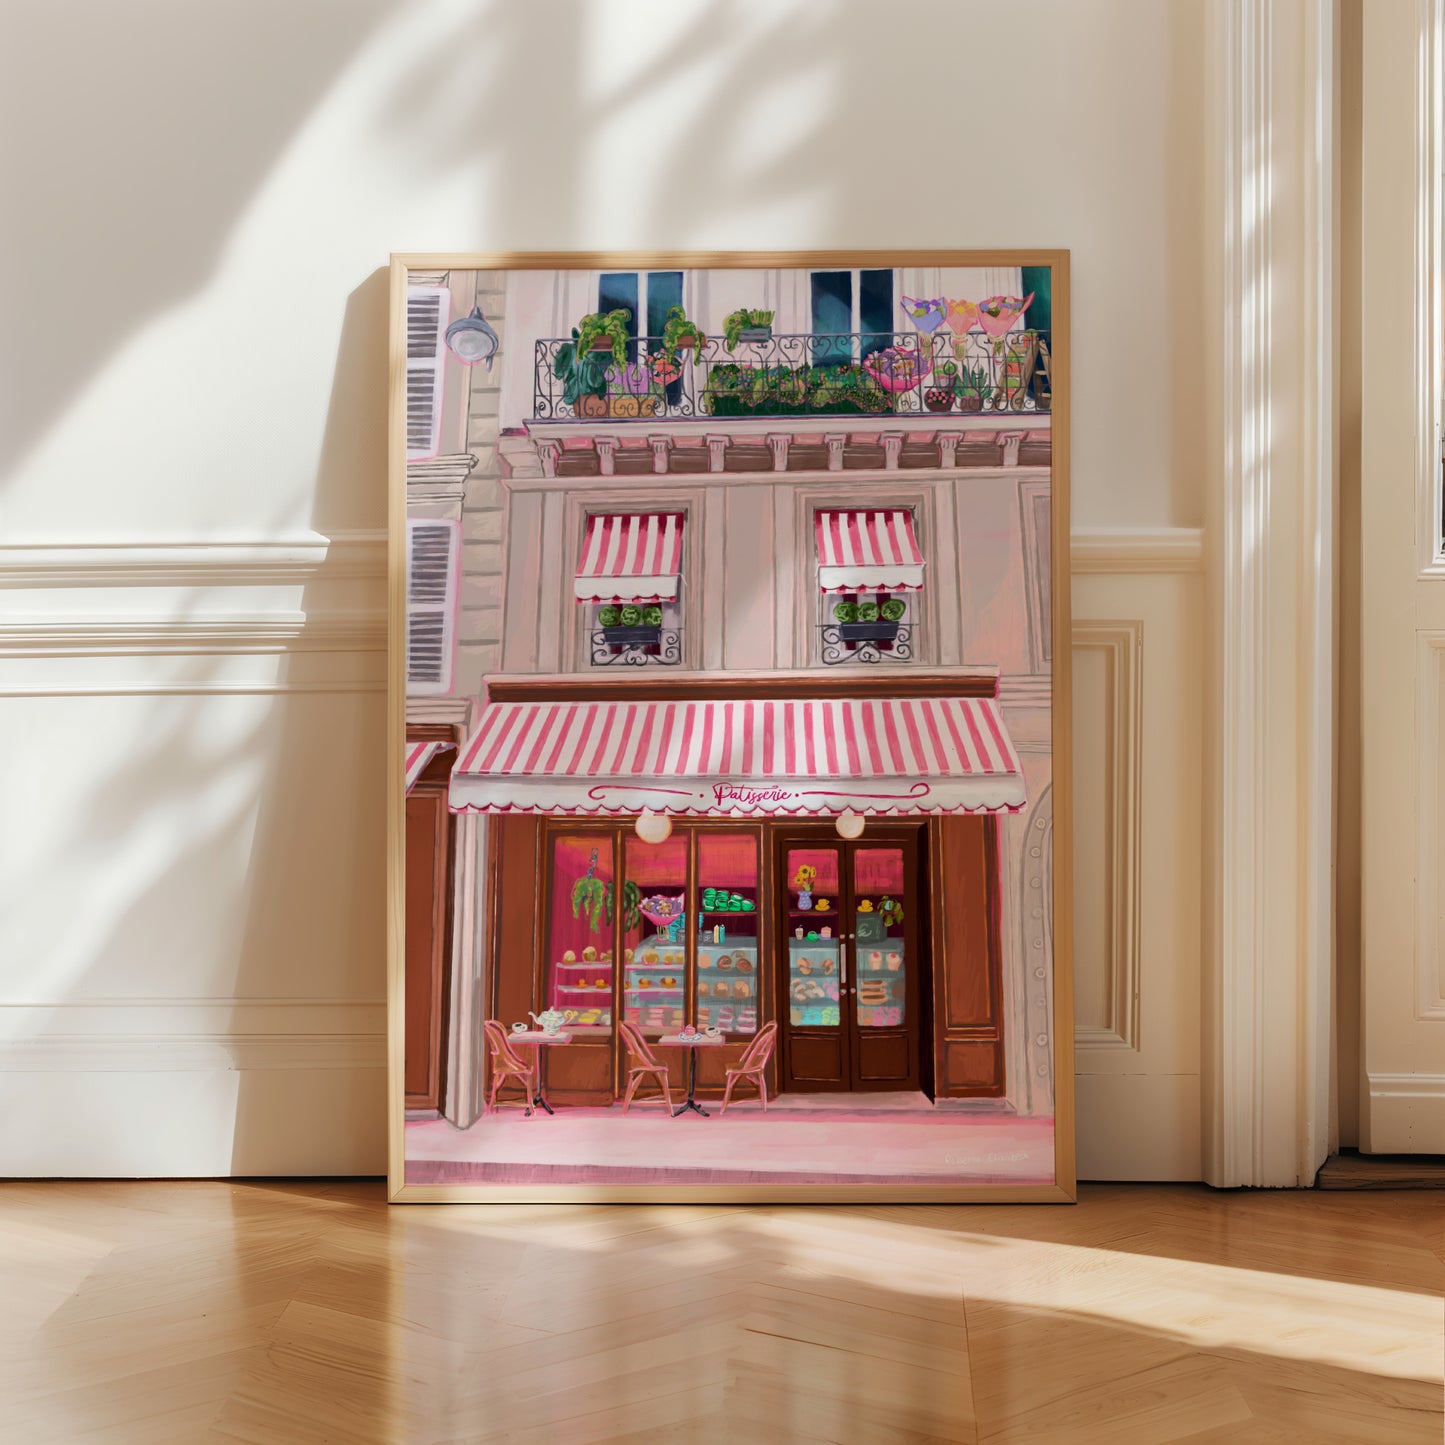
869	621
630	625
640	636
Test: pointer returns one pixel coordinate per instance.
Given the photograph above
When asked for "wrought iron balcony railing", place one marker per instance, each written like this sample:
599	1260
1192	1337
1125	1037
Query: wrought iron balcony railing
862	374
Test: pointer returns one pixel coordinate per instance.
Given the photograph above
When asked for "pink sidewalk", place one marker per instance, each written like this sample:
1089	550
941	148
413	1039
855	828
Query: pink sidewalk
814	1140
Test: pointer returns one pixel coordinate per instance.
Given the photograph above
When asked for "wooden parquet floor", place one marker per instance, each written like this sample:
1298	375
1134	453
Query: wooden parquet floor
295	1314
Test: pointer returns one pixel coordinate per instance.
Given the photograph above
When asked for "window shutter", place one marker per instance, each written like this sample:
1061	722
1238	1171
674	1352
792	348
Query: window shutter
433	550
428	309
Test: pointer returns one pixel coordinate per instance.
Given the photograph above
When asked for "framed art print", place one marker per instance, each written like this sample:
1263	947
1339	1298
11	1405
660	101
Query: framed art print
730	727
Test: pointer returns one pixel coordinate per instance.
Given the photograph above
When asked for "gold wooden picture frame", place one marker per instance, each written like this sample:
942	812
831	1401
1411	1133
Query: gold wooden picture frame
729	727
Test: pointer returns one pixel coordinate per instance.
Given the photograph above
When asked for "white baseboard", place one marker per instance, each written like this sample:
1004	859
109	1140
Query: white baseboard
1406	1114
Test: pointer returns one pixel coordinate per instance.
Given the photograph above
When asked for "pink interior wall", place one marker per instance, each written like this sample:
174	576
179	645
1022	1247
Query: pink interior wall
728	860
570	861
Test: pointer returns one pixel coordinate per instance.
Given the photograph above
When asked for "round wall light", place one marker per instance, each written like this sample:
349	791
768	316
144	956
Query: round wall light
653	827
850	824
472	340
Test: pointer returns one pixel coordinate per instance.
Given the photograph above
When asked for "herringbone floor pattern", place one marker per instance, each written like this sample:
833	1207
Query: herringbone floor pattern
295	1314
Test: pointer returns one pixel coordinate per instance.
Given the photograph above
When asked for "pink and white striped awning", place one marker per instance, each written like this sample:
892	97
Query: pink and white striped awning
418	759
865	551
630	557
748	759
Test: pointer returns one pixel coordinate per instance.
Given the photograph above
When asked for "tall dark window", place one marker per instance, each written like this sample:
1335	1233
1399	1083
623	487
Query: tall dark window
833	314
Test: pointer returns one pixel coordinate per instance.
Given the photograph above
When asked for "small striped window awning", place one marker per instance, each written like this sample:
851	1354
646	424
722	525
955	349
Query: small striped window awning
868	551
419	757
814	758
630	557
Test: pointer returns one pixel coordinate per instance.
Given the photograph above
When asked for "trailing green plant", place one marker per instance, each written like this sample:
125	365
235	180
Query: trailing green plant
593	330
631	906
677	329
592	897
582	364
740	320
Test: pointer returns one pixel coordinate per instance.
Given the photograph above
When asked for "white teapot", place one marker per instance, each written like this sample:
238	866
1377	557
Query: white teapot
550	1020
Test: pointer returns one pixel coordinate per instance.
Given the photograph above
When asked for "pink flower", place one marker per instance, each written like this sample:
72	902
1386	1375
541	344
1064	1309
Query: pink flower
998	314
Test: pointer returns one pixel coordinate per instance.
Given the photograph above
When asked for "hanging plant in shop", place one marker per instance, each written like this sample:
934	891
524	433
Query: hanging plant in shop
592	898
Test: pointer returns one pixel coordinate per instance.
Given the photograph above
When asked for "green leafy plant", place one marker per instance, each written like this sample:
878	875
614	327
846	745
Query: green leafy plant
631	906
678	331
867	612
608	616
893	609
631	616
652	616
845	611
610	328
580	375
740	320
592	897
948	368
973	381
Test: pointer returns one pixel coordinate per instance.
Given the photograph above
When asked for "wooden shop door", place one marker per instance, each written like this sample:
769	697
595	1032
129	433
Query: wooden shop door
429	848
853	982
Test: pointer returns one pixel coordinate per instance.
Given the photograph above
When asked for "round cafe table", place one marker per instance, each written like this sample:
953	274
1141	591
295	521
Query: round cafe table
692	1043
536	1039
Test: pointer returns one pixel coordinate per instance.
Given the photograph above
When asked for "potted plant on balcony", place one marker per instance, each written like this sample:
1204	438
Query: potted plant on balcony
581	364
939	395
898	368
746	324
972	388
631	391
630	624
678	333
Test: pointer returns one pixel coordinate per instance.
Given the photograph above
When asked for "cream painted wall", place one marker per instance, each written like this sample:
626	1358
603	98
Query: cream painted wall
192	455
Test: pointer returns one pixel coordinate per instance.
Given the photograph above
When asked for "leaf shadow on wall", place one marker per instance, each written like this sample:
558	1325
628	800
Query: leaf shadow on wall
160	123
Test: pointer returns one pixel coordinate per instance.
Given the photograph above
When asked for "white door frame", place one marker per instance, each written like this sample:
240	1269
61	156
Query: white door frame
1269	765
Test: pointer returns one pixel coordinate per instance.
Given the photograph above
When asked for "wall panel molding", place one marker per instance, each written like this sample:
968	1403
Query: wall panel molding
1430	944
1128	550
197	561
1122	644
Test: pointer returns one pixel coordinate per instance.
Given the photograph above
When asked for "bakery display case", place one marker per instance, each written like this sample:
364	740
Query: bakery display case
729	974
654	947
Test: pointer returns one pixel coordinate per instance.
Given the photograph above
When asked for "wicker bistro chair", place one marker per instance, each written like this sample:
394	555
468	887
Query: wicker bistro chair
641	1062
753	1065
508	1063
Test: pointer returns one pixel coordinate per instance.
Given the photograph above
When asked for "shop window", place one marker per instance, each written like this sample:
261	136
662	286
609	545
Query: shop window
654	916
878	932
727	933
690	929
580	931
